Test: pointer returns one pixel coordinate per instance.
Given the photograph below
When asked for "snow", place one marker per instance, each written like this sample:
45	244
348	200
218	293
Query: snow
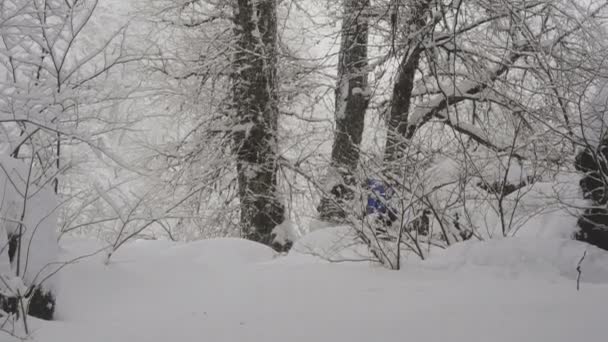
35	209
519	257
333	244
541	210
445	171
285	233
222	252
518	289
343	97
5	265
544	209
596	116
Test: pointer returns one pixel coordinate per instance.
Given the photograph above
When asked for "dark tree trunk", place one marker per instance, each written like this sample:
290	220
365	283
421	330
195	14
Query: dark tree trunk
352	99
593	223
42	302
256	108
399	132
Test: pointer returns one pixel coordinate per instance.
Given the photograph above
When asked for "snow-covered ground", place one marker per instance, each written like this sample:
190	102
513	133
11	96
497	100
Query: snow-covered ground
236	290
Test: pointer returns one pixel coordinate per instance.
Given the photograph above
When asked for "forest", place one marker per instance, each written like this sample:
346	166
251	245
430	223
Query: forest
330	170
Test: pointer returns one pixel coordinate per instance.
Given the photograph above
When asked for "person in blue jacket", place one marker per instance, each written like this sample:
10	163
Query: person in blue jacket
377	201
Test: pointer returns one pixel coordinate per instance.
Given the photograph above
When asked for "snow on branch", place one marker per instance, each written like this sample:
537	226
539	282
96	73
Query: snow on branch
477	134
456	93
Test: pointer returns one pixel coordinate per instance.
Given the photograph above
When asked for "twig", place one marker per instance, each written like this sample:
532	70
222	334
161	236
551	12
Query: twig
578	269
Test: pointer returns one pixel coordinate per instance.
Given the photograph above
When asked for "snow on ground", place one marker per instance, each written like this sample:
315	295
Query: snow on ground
550	258
332	244
235	290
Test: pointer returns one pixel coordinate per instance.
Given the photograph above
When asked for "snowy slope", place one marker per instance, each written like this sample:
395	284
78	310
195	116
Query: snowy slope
234	290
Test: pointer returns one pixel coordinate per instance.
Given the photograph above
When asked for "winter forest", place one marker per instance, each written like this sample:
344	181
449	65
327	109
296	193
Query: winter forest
303	170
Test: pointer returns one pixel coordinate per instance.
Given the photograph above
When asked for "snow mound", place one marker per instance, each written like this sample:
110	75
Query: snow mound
548	209
221	252
334	244
540	210
445	171
285	233
520	255
147	295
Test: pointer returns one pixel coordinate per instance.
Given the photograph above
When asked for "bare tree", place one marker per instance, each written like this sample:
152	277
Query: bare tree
351	101
480	82
256	109
57	89
411	18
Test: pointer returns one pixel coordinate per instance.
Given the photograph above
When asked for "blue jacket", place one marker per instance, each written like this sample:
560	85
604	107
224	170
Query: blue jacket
376	201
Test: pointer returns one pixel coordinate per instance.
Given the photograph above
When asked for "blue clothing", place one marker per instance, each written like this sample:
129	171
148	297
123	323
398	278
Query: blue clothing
376	201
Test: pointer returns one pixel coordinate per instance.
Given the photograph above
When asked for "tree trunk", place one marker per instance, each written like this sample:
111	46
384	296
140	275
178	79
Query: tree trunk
256	108
593	223
352	99
399	132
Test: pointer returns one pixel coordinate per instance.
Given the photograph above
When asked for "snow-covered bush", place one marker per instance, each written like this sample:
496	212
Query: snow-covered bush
444	201
28	242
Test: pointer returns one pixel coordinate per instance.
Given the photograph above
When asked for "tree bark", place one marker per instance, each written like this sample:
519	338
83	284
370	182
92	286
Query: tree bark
256	108
399	133
351	102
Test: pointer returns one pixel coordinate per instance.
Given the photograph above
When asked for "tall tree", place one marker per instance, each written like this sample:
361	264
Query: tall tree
414	24
351	102
256	109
